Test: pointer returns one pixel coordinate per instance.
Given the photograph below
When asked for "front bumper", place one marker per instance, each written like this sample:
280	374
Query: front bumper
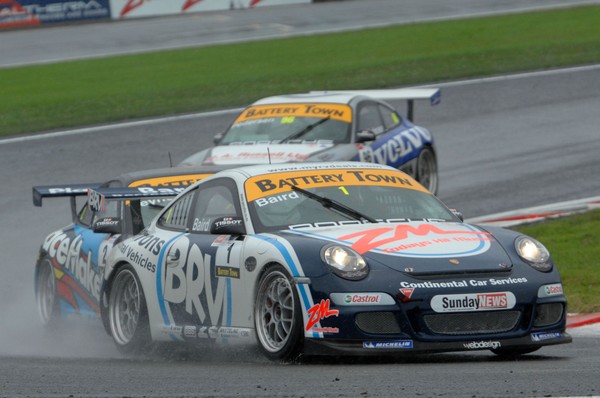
398	347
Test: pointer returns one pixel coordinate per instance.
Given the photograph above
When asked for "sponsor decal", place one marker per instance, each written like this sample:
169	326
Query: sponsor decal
473	302
464	283
221	240
228	221
319	312
481	345
277	198
396	344
277	183
401	145
201	225
68	256
229	332
187	280
107	222
252	152
348	299
95	201
405	294
385	238
169	181
554	289
545	336
171	329
227	272
190	331
332	111
140	248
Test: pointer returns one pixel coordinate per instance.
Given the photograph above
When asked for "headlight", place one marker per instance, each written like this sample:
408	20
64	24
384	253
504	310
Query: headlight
345	262
534	253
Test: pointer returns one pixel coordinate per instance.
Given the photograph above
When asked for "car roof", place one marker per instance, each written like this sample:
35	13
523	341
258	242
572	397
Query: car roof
260	169
128	178
324	98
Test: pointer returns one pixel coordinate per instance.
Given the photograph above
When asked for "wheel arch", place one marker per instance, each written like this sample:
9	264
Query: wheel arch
105	293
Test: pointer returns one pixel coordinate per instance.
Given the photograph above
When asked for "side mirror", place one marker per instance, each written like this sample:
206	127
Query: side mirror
230	225
458	214
365	135
107	225
217	138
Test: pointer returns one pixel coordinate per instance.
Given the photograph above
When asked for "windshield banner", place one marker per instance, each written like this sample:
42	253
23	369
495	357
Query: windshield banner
290	111
270	184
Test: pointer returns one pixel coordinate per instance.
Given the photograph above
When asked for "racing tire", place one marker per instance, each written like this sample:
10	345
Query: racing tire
427	174
127	312
277	316
46	294
513	352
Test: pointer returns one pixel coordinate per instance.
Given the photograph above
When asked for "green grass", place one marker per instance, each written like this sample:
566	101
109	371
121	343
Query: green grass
43	97
574	243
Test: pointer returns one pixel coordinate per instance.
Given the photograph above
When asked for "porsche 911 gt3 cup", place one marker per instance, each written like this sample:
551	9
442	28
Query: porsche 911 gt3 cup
314	258
330	126
69	272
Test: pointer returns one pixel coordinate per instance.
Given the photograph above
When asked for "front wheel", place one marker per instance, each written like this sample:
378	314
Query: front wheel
427	174
46	295
277	316
127	312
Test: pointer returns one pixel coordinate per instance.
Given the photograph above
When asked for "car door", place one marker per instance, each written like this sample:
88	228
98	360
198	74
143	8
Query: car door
202	276
392	142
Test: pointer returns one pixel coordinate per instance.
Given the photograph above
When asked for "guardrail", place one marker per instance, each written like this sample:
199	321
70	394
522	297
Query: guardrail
35	13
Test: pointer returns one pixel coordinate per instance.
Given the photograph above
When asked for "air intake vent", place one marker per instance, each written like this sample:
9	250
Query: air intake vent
473	323
377	322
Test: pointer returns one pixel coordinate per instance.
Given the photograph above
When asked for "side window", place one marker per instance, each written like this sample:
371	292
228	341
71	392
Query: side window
85	215
369	118
215	200
390	117
176	216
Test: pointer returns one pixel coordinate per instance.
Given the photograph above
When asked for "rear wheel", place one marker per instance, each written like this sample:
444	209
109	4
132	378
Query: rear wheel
427	170
46	296
277	316
127	312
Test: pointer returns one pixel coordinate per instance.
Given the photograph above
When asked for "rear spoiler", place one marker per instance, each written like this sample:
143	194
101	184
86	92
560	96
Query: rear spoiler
434	95
98	196
60	191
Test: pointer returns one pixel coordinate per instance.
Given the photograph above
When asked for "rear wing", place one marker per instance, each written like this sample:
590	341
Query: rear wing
60	191
97	197
434	95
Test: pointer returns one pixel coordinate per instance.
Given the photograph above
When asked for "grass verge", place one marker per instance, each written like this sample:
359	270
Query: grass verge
574	243
44	97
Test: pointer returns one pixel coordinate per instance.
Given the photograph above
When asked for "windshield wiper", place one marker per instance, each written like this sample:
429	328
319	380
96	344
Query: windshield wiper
334	205
304	130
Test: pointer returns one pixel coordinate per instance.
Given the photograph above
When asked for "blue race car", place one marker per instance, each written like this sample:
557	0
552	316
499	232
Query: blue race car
69	271
318	258
330	126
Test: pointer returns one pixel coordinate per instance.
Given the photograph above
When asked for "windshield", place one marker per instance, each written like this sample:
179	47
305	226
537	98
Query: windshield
369	194
291	123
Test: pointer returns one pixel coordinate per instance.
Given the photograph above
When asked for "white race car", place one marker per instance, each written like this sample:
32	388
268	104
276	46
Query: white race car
330	126
309	258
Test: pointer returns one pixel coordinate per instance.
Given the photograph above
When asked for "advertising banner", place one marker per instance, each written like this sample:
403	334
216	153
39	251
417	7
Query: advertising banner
17	13
13	15
147	8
